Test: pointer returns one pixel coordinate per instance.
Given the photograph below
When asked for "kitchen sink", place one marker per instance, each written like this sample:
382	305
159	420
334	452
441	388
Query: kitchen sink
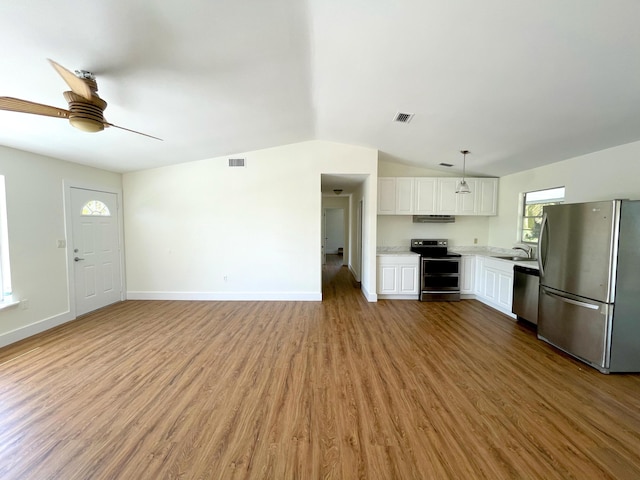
515	259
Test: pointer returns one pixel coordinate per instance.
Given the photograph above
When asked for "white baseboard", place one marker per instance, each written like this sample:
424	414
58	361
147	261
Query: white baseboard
414	297
353	272
228	296
496	307
371	297
34	328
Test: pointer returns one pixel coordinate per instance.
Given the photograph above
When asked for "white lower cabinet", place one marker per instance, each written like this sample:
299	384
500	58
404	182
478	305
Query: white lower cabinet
468	275
494	283
398	277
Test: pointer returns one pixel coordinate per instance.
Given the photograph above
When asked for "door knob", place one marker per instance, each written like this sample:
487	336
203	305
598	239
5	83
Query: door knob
77	259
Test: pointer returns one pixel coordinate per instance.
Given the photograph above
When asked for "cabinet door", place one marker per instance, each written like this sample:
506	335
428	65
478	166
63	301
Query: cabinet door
404	196
387	279
467	201
487	196
447	200
490	284
505	290
386	196
479	280
408	279
468	274
426	190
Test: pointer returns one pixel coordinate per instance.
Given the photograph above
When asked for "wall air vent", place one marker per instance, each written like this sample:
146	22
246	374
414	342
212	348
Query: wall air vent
403	117
236	162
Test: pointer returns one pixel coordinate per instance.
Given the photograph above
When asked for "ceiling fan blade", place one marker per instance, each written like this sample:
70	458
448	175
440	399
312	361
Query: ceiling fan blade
25	106
107	124
76	84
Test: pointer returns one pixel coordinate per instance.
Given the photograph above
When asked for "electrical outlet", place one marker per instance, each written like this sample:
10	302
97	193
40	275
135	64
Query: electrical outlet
226	278
24	304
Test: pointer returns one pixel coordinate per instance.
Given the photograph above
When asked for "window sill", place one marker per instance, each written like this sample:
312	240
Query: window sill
8	302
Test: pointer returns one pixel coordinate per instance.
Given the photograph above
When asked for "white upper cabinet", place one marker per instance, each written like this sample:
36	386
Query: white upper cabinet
436	196
447	200
404	195
467	202
387	196
486	196
426	193
395	195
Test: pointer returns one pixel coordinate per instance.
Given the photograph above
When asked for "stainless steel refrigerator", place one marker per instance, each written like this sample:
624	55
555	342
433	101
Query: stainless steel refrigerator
589	304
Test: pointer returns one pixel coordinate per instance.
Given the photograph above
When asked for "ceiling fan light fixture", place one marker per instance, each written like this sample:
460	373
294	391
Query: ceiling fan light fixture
463	186
86	124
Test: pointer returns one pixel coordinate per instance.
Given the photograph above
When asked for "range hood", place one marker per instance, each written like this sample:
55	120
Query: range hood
434	219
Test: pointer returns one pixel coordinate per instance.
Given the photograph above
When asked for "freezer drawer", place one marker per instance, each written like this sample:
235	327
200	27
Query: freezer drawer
579	326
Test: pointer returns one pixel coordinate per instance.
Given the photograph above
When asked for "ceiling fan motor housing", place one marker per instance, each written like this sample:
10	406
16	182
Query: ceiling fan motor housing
86	115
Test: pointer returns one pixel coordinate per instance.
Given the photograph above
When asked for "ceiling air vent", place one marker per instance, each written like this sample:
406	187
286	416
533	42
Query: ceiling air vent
445	164
236	162
403	117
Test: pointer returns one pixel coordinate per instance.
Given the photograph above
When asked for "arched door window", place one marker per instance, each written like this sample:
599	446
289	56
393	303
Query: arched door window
95	208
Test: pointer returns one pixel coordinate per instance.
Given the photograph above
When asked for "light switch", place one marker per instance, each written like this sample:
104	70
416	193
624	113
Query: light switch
62	243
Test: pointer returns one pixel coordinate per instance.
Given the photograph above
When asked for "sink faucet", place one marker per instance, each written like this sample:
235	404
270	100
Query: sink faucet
526	249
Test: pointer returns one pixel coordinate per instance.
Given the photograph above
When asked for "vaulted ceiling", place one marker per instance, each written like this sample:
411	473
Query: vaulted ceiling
518	83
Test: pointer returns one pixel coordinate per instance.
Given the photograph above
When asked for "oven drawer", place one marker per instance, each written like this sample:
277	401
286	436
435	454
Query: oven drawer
440	283
434	266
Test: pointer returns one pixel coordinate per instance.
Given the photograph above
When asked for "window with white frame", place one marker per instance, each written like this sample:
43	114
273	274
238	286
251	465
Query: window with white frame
5	270
533	203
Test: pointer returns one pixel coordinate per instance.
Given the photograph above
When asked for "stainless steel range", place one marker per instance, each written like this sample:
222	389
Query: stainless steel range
439	270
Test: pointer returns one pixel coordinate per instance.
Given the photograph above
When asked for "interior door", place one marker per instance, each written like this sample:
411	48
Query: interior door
96	250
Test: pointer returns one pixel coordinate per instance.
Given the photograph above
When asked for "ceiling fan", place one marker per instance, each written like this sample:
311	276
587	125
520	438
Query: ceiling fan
85	106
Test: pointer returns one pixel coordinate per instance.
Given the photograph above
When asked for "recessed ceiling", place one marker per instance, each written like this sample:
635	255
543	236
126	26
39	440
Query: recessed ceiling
520	84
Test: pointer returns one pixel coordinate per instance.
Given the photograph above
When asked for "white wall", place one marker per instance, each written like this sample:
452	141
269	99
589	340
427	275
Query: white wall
191	225
35	214
388	168
398	230
356	247
608	174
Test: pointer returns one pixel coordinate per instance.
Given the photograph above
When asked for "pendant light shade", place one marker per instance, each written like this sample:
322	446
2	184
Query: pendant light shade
463	186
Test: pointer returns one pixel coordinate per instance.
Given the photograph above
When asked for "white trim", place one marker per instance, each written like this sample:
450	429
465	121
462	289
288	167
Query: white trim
372	297
353	272
228	296
384	296
32	329
8	301
495	306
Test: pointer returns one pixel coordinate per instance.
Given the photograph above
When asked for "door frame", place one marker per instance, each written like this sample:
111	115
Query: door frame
68	225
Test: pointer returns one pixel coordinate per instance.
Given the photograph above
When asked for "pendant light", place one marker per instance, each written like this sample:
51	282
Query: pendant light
463	186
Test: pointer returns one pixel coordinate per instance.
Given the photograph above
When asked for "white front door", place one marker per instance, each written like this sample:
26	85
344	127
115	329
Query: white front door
96	250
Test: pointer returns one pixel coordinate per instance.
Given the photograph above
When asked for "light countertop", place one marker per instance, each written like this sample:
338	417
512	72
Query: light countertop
494	252
491	252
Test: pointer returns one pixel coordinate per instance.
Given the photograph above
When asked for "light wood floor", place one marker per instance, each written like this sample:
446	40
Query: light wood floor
341	389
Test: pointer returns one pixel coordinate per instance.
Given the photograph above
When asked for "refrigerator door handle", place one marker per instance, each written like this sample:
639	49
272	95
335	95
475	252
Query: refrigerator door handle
541	248
569	300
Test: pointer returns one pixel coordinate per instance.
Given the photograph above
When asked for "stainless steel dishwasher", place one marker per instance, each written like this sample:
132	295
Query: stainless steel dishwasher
526	284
